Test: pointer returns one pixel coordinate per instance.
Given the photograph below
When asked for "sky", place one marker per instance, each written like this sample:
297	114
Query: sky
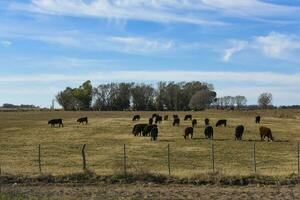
242	47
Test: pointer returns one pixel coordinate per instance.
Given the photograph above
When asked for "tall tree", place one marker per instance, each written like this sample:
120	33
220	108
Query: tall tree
265	99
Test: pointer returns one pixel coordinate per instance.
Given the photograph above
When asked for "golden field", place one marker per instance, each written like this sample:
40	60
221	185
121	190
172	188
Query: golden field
107	132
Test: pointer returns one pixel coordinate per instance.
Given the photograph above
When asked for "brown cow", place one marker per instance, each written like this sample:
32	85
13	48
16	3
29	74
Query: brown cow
265	132
194	122
188	131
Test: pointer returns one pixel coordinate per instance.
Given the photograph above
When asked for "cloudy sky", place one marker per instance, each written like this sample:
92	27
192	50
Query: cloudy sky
242	47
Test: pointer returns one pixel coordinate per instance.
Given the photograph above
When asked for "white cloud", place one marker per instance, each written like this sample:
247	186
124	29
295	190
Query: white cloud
277	45
237	46
264	78
138	44
274	45
164	11
5	43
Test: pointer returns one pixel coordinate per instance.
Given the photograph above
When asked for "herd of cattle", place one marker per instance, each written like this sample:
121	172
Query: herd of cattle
150	129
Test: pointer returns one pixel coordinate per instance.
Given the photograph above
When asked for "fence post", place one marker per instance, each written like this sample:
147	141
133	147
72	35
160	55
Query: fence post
39	159
298	159
125	157
169	164
83	157
213	157
254	157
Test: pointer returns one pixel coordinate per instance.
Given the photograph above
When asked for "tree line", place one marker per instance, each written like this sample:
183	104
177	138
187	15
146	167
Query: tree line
173	96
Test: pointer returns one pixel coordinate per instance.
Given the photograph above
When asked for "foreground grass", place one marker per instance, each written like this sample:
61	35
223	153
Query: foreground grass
107	132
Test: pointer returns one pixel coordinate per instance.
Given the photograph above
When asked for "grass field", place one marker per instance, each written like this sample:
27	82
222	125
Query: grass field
107	132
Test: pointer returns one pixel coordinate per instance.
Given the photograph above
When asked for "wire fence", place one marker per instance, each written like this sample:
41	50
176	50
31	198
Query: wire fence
244	158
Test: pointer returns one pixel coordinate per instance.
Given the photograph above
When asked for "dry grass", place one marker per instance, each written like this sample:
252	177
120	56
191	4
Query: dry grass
21	132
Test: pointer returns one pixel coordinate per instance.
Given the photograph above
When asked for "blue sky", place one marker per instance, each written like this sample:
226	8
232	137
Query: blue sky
242	47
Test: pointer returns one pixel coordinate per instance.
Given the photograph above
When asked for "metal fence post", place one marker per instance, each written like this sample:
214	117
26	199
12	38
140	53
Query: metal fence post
254	157
298	149
39	158
169	164
125	157
83	157
213	157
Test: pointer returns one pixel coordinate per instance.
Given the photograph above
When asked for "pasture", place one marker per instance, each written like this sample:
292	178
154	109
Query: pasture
107	132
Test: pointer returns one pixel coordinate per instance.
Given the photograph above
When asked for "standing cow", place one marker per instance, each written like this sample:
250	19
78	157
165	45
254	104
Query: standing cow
147	129
257	119
176	121
53	122
265	132
239	130
154	133
209	132
206	121
194	123
221	122
136	118
158	119
188	117
138	129
188	131
82	120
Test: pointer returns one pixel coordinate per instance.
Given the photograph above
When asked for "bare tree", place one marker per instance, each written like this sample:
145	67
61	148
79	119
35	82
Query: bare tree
265	99
240	101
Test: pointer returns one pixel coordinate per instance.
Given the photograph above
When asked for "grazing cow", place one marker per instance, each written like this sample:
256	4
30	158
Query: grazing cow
206	121
209	132
265	132
188	131
136	117
187	117
175	116
138	129
176	121
158	119
147	129
257	119
150	121
154	133
82	120
166	117
239	130
221	122
194	123
53	122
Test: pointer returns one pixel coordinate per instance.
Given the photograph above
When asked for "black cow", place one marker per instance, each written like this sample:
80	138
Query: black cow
166	117
176	121
82	120
188	117
221	122
188	131
138	129
194	123
175	116
158	119
53	122
206	121
209	132
239	130
136	117
147	129
154	133
150	120
257	119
